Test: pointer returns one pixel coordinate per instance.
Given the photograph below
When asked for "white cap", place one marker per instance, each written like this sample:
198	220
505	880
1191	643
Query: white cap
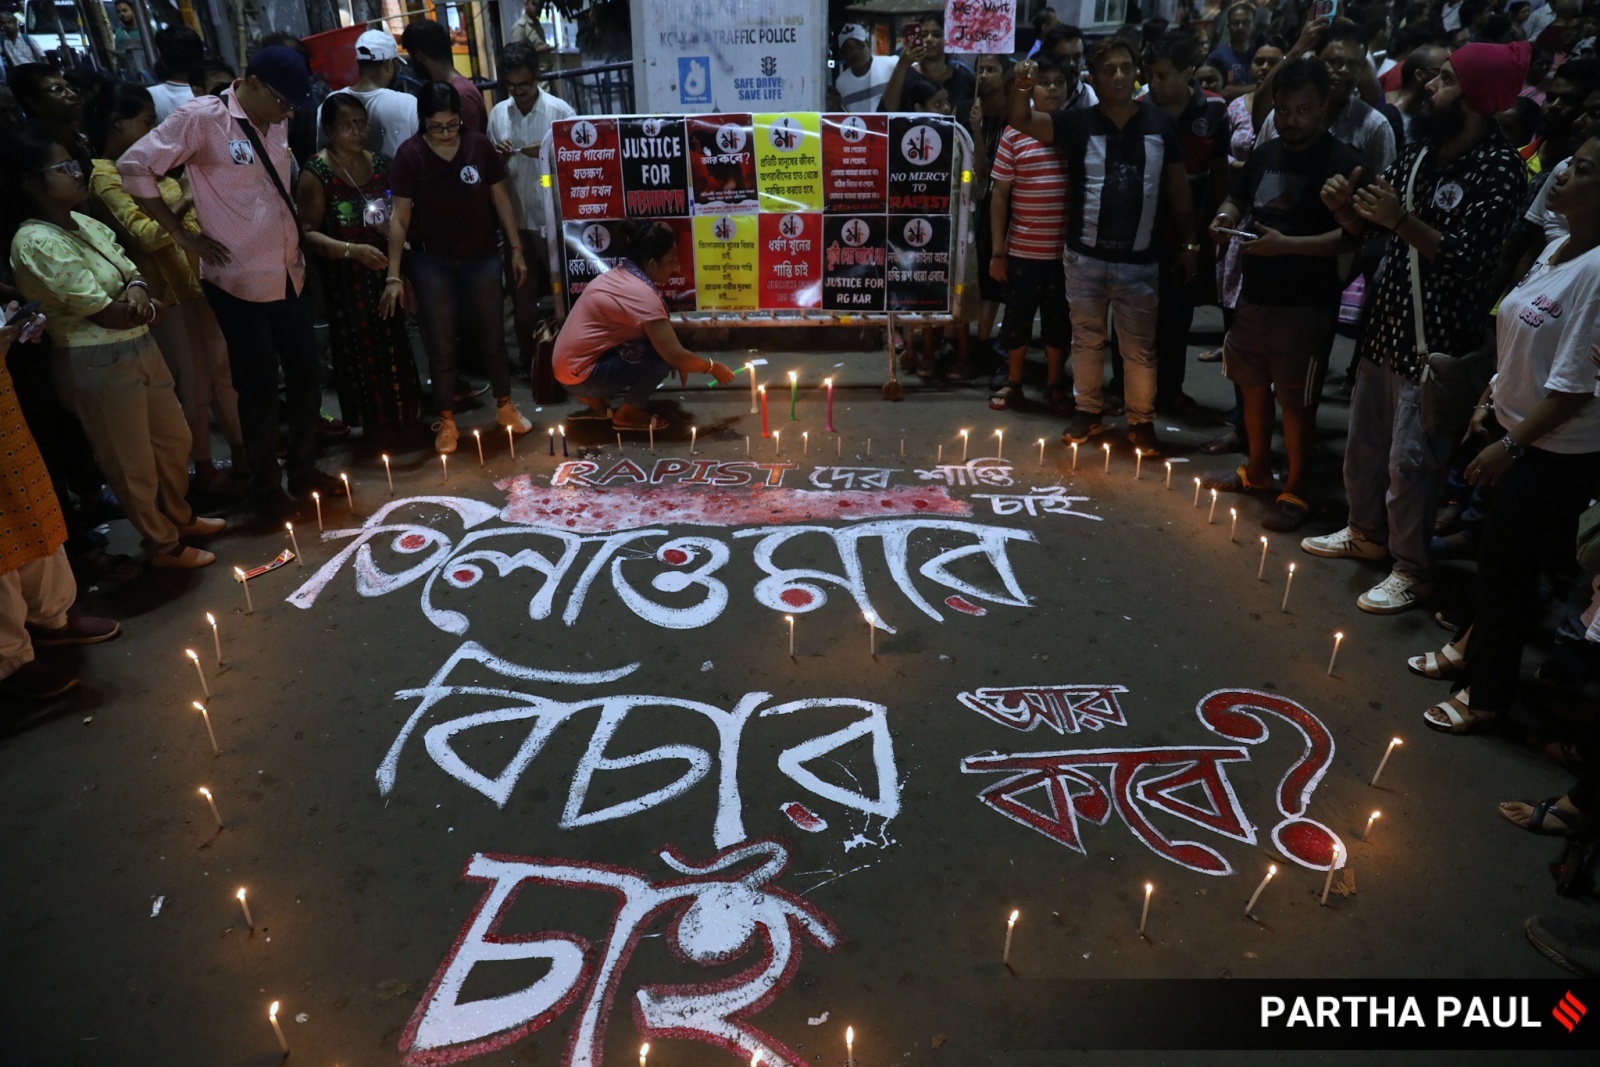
375	46
853	31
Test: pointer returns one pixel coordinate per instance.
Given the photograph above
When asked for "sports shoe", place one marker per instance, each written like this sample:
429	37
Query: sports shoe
1084	425
1570	943
37	681
200	526
508	415
330	427
1346	544
1394	594
79	630
444	438
1142	435
182	558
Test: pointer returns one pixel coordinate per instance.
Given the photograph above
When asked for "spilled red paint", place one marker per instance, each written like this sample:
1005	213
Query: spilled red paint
804	817
962	604
796	598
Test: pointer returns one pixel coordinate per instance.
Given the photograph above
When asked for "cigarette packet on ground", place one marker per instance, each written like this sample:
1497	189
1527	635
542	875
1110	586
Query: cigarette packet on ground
286	556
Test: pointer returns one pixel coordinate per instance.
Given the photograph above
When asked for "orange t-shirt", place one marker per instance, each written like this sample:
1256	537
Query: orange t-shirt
611	310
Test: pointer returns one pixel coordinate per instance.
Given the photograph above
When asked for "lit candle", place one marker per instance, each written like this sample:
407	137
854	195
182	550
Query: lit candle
1011	925
829	383
777	442
644	1051
766	431
216	639
244	580
963	446
444	465
872	634
1145	915
294	543
849	1046
194	657
1337	637
1385	761
794	394
1169	475
388	472
250	921
694	437
790	620
651	426
316	498
1233	525
938	455
751	367
552	435
561	428
1138	462
272	1017
805	442
1211	515
1366	835
478	438
1327	883
205	717
1041	451
1261	569
511	442
1197	492
1074	455
1272	869
213	805
1000	447
349	497
1286	587
1107	447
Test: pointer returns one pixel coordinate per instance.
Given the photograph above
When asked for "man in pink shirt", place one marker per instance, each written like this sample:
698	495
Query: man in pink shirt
235	150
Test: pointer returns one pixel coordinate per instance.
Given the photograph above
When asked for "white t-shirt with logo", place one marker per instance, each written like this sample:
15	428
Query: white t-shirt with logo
1553	223
1543	332
862	93
391	119
169	97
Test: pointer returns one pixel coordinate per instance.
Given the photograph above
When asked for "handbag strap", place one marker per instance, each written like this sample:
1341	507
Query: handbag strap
1416	261
266	161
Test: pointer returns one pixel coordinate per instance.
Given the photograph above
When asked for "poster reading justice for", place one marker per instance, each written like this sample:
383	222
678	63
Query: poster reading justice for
790	212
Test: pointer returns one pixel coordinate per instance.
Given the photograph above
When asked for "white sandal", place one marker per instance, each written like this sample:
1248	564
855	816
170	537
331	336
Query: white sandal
1455	716
1445	663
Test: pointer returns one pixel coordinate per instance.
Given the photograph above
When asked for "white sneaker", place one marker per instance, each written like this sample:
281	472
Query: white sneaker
1394	594
445	439
1346	544
508	415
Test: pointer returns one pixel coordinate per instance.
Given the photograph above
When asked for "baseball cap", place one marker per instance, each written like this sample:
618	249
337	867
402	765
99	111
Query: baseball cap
853	31
375	46
282	68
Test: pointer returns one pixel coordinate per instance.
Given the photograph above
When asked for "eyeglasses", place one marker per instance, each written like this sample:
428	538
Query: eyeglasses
443	127
70	167
281	100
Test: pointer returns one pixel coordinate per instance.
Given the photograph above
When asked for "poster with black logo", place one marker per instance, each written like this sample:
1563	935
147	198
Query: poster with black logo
655	167
590	249
853	260
590	172
920	151
722	164
918	270
855	162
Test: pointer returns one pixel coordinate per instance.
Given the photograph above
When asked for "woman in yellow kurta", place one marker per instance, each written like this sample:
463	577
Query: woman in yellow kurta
188	334
36	584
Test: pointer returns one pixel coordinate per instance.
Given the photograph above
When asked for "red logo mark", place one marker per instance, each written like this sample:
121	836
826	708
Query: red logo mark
1569	1012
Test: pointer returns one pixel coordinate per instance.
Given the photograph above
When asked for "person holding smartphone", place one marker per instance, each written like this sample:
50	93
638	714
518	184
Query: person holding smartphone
1282	332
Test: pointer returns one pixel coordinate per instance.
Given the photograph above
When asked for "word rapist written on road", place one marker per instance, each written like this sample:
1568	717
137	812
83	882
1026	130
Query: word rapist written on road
791	211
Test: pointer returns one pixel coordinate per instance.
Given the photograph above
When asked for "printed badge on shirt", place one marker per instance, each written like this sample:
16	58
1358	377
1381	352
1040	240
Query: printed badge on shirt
1447	196
469	175
241	152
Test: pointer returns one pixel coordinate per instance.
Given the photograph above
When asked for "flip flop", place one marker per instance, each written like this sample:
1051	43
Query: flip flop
1542	810
1445	663
1234	481
588	414
1288	514
1458	719
656	423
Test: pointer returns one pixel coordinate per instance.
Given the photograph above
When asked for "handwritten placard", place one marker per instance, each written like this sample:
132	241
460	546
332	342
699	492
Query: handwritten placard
981	26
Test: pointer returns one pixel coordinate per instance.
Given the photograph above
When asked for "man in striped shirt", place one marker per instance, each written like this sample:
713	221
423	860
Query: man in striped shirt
1030	183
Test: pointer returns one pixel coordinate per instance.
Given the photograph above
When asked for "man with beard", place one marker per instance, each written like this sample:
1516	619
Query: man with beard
1450	196
1350	119
1419	69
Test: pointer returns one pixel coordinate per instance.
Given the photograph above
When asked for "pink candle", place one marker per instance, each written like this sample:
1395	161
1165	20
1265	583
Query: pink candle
829	383
765	430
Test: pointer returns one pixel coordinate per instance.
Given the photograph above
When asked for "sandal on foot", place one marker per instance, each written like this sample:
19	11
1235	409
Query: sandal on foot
1445	663
655	422
1221	446
1542	811
589	414
1454	716
1234	481
1005	396
1288	514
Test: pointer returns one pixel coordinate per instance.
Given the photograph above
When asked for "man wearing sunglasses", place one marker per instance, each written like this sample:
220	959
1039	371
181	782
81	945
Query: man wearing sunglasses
235	150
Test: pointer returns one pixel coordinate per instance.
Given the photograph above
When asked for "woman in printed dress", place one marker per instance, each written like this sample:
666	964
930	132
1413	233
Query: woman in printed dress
344	214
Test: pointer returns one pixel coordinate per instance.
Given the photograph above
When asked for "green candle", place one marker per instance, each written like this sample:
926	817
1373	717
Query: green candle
794	387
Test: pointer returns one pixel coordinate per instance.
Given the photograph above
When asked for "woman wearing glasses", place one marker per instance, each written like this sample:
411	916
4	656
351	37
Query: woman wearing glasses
449	192
344	215
106	367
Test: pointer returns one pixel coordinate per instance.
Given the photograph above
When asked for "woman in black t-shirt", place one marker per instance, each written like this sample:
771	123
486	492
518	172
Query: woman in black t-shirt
449	193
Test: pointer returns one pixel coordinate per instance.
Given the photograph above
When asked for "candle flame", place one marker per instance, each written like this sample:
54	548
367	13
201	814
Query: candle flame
272	1012
755	1061
1396	741
289	526
1148	889
1376	814
205	792
828	382
788	618
201	708
1106	446
1041	440
793	377
1013	919
314	496
563	429
1291	568
239	573
1138	453
849	1035
1233	512
386	457
191	654
761	389
963	433
240	895
212	619
475	433
1272	869
1263	539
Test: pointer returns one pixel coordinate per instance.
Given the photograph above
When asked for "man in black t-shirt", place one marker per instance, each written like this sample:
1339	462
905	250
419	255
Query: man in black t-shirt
1124	169
1289	299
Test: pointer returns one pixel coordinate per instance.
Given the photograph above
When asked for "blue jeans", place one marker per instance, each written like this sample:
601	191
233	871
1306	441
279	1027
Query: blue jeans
452	293
1128	292
612	374
1393	468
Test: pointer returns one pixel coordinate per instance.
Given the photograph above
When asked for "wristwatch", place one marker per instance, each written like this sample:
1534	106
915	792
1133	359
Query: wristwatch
1513	449
1191	248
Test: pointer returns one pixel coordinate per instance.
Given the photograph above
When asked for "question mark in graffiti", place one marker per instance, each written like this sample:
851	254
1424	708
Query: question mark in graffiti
1228	712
